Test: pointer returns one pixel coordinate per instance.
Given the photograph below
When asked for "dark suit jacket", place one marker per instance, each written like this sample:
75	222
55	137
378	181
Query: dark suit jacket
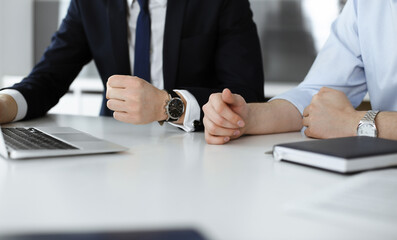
208	45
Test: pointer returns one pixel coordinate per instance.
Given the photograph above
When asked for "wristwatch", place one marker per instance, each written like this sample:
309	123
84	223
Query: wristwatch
367	126
174	107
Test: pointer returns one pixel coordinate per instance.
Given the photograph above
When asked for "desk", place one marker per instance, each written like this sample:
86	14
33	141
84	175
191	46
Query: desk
168	178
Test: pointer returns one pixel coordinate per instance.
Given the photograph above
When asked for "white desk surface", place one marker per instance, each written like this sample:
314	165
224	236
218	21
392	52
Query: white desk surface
168	178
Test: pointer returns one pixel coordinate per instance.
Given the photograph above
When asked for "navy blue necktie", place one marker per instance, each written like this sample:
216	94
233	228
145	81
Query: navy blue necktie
142	42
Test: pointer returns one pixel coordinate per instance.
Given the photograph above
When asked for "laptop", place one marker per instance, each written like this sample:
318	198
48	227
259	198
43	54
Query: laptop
32	142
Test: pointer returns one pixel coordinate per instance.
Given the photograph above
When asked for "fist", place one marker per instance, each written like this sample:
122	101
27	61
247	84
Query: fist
134	100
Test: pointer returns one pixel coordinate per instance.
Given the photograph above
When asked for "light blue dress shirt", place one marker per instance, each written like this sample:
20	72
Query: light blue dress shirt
360	56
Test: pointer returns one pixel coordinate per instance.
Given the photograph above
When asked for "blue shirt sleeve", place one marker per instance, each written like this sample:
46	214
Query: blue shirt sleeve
339	64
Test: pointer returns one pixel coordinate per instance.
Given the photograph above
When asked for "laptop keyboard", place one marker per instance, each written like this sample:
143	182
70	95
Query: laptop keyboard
31	139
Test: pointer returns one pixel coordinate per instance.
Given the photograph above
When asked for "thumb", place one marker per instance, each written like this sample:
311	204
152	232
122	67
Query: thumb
232	99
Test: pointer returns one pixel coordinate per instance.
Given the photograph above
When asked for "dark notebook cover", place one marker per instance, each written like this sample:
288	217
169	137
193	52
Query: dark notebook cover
349	148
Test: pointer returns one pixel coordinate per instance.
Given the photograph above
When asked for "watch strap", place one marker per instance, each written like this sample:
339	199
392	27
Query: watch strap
173	94
368	119
370	116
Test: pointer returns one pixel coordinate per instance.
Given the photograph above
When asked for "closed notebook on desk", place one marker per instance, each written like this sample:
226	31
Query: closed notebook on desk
350	154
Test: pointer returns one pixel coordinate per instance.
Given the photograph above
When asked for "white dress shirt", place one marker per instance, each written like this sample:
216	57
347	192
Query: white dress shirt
360	56
157	9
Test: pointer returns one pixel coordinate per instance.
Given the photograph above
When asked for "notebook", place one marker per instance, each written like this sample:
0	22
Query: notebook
345	155
30	142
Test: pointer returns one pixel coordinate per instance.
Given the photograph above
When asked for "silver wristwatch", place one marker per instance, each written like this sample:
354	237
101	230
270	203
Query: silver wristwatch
367	126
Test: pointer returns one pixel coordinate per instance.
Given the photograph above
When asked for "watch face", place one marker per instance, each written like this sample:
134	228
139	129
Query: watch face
367	129
175	108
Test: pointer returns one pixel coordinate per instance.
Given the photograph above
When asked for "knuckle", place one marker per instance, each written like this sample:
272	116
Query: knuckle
210	127
138	83
210	140
214	97
205	107
219	108
109	104
205	120
131	98
307	132
116	115
111	78
236	118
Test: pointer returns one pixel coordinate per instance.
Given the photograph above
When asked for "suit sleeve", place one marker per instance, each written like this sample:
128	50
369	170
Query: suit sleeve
238	59
62	61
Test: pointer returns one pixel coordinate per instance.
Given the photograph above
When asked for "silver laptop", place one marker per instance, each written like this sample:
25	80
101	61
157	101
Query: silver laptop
28	142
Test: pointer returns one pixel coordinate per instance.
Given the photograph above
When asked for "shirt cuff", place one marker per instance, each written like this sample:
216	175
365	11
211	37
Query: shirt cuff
192	112
22	105
298	96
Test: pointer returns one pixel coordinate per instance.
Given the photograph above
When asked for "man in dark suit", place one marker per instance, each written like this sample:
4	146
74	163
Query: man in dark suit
140	47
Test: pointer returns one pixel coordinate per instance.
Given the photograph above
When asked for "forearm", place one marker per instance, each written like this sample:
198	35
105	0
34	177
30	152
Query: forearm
386	123
274	117
8	108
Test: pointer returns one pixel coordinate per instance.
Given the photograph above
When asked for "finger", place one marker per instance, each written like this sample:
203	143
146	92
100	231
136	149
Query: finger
116	105
227	96
211	114
115	93
216	130
227	113
215	140
232	99
123	117
118	81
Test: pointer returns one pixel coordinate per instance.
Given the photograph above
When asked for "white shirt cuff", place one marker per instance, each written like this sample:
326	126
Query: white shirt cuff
22	105
192	112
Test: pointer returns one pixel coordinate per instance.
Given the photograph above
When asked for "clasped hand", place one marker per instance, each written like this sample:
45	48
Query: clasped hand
225	117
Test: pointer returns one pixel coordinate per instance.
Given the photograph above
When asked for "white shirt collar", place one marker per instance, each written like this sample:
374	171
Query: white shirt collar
161	2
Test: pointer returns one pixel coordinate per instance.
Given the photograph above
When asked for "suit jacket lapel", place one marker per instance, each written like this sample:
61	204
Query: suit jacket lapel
117	12
172	39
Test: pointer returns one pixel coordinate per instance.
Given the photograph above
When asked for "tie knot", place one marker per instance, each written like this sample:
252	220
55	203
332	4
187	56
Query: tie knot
144	4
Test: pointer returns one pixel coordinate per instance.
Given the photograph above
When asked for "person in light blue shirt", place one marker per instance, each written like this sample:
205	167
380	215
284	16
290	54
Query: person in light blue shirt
359	57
